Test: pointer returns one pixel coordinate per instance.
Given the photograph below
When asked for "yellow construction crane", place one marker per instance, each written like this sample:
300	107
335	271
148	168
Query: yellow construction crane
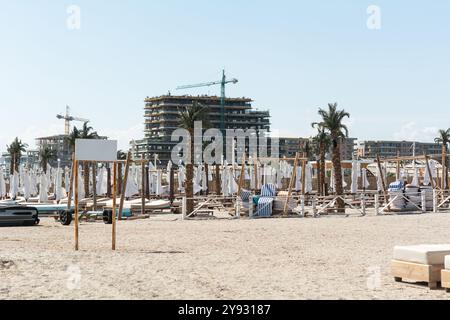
68	119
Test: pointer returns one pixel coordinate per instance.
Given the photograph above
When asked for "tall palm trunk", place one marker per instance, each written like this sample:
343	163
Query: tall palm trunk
322	169
86	179
16	163
338	171
119	178
12	164
444	167
190	177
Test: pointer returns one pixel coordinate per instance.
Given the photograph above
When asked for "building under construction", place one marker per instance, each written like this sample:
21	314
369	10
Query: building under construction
162	118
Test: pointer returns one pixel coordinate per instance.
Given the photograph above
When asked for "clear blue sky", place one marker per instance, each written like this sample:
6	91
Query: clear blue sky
290	56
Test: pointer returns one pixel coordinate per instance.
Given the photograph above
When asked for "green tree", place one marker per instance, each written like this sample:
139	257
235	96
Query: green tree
45	156
444	139
188	117
323	143
86	132
15	150
332	121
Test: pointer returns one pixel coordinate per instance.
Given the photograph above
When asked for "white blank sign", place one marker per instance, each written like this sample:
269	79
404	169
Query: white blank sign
95	150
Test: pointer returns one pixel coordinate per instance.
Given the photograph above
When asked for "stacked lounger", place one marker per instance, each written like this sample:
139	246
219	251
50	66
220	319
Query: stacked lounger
265	202
421	263
445	275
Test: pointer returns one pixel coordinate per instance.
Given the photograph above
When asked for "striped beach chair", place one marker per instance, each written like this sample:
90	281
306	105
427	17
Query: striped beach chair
245	198
265	202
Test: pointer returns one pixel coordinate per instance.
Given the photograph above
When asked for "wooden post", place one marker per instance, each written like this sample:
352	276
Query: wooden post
147	180
172	185
72	174
256	172
218	184
124	185
291	183
242	176
207	178
398	165
94	184
108	178
143	184
304	177
75	163
114	206
386	198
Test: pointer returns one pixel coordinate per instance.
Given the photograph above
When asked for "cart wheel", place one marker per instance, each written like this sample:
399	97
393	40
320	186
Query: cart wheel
37	221
66	218
107	216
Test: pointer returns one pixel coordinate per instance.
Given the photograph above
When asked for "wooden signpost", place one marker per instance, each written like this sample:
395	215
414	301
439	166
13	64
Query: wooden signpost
94	151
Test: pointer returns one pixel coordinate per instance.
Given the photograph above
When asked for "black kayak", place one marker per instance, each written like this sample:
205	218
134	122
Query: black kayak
18	216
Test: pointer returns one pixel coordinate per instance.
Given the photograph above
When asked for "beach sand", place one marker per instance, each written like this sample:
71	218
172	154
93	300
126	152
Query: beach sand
165	258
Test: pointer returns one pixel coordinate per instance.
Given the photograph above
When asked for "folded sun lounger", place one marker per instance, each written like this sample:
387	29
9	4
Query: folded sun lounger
421	263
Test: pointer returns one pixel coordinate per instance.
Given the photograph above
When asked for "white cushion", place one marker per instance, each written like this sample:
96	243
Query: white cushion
434	254
447	262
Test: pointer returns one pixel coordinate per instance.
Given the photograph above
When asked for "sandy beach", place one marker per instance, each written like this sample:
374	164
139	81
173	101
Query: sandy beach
165	258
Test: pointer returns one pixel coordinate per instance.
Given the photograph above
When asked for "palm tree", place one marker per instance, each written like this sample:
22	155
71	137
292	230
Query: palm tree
308	149
45	156
188	117
323	142
15	150
85	133
332	122
444	139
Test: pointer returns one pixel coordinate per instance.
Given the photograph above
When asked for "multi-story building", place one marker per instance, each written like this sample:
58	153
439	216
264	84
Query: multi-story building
390	149
162	118
348	147
61	146
30	158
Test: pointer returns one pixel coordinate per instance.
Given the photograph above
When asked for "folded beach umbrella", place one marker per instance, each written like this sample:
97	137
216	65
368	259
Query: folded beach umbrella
332	182
355	175
251	173
204	180
26	185
67	178
365	179
181	177
2	184
131	186
102	181
14	185
80	186
43	188
159	189
59	192
416	181
298	179
308	178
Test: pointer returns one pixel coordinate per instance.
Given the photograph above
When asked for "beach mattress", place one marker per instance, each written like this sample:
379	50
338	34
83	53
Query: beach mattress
423	254
447	262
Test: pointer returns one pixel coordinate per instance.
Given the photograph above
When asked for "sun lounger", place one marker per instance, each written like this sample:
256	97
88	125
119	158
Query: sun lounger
421	263
265	202
445	274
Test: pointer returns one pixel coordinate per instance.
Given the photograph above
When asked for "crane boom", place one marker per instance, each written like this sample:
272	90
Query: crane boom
68	119
207	84
223	84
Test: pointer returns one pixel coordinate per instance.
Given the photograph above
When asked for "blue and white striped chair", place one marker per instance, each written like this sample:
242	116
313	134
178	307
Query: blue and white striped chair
265	202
